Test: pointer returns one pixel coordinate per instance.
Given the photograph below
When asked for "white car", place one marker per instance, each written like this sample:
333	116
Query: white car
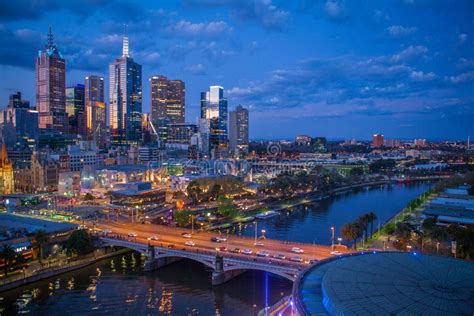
132	235
279	256
297	250
222	239
336	253
190	243
259	243
296	259
263	253
247	252
186	235
153	238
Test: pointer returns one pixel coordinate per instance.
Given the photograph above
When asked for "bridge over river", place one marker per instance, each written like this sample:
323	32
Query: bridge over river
168	245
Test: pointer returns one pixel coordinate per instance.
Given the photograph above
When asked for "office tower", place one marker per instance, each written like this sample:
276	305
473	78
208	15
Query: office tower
16	102
214	110
19	124
239	131
95	113
51	87
181	133
125	97
75	107
167	100
377	140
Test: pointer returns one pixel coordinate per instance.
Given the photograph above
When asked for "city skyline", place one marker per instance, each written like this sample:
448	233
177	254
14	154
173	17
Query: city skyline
407	77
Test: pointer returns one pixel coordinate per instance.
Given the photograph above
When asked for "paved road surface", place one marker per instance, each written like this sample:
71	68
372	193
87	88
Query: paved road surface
172	235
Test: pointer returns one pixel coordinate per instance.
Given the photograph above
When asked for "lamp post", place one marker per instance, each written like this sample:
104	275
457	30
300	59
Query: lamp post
192	224
263	233
256	229
332	238
339	240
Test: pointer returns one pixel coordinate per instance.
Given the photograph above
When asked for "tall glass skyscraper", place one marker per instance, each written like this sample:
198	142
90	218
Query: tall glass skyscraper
167	100
51	87
95	115
125	97
214	110
239	131
75	109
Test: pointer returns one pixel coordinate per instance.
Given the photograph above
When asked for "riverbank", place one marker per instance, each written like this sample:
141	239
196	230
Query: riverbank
35	276
300	200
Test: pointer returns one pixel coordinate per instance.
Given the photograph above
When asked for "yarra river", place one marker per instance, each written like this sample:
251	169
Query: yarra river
118	286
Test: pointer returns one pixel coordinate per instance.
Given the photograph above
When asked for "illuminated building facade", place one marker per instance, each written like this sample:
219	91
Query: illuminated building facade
377	140
51	88
95	112
6	172
214	110
125	97
75	109
239	131
167	100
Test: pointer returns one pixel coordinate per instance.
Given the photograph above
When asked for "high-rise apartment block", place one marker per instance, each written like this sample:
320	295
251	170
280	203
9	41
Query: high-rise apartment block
95	111
239	131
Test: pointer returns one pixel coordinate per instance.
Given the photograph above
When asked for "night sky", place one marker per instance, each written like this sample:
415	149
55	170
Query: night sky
340	69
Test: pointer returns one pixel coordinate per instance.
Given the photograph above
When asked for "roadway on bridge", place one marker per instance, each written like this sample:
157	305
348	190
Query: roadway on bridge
173	236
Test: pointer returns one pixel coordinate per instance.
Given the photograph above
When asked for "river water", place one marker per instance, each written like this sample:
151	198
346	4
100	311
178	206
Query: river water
118	286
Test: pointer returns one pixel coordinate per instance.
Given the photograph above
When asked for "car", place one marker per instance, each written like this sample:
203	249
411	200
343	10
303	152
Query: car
221	248
235	250
132	235
106	232
190	243
263	253
279	256
259	243
186	235
297	250
222	239
215	239
247	252
296	259
153	238
170	246
336	253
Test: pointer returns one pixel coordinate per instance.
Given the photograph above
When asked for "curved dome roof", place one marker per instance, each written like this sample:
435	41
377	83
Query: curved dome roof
388	283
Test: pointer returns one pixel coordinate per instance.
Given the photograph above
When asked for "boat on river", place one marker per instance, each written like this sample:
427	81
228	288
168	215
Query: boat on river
267	214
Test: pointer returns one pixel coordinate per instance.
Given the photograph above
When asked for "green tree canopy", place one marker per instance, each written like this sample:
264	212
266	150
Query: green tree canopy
79	243
226	208
182	218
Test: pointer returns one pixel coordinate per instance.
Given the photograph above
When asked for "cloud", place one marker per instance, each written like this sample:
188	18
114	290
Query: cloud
262	12
335	10
465	77
399	31
21	48
422	76
409	53
462	38
197	69
189	29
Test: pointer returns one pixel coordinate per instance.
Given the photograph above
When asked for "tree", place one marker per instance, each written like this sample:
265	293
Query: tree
40	239
8	255
194	190
350	232
226	208
371	217
363	224
88	197
216	190
182	218
79	243
357	172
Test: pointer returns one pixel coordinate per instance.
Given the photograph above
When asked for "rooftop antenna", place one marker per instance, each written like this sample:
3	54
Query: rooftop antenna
125	42
50	38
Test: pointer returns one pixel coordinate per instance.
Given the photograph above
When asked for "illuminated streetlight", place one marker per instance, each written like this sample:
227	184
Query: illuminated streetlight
332	238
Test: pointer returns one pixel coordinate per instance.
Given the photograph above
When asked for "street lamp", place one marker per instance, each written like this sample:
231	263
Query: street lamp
263	233
256	229
339	240
332	238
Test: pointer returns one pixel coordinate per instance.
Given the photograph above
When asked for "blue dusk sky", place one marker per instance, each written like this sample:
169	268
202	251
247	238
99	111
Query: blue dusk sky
335	68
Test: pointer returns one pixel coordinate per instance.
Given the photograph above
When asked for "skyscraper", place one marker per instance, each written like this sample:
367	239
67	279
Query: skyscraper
239	131
75	107
377	140
167	100
95	114
125	97
50	88
19	124
214	110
